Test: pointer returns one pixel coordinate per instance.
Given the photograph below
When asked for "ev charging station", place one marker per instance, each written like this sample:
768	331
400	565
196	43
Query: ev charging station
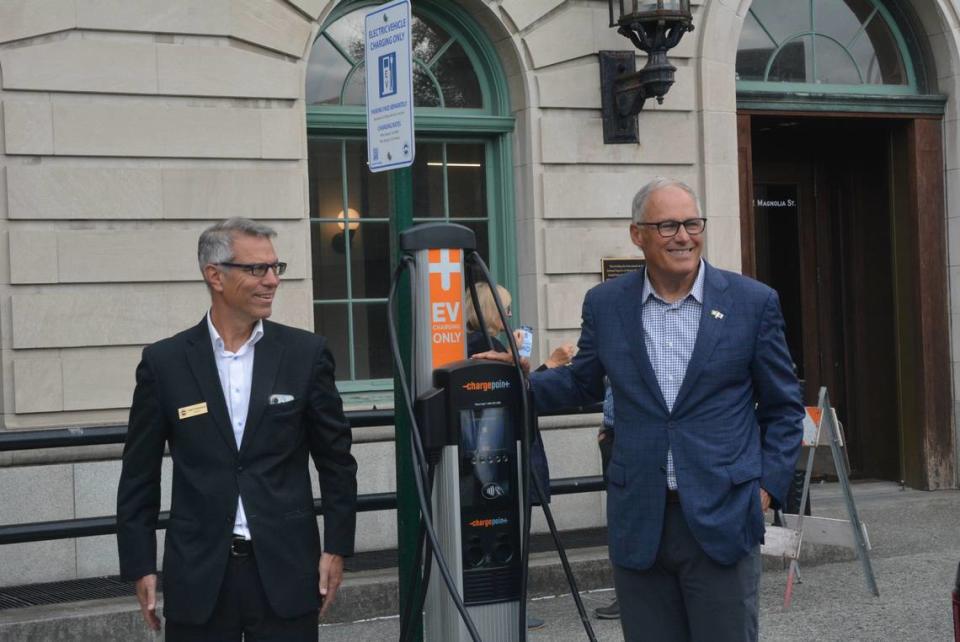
471	428
469	415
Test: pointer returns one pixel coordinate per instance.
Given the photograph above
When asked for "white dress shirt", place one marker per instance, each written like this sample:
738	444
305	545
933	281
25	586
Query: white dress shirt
670	332
236	375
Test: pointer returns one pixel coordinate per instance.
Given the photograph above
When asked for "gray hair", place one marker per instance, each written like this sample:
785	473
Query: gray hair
216	242
640	200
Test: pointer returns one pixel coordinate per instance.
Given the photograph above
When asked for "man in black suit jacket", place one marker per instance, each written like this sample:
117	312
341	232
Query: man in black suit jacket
241	402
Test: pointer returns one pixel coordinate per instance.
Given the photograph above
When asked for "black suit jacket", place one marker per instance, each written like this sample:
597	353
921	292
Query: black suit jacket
269	471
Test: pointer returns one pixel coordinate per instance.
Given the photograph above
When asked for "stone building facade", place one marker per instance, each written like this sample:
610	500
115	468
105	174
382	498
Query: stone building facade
129	125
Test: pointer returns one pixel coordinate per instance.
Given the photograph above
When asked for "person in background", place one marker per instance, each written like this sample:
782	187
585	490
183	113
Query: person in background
605	441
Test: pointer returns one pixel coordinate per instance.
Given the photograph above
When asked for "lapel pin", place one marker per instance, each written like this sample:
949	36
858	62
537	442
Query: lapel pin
716	314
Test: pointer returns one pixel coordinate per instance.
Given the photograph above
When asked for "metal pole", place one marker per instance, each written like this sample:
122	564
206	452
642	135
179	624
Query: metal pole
408	512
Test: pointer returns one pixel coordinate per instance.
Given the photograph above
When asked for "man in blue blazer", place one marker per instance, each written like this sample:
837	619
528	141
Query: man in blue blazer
709	419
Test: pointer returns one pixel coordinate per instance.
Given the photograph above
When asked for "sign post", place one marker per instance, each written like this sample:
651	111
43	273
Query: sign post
389	74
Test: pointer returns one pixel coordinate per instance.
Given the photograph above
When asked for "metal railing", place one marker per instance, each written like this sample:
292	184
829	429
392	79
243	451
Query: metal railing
100	435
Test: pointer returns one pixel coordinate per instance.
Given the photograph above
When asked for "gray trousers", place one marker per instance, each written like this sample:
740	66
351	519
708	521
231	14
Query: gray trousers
685	595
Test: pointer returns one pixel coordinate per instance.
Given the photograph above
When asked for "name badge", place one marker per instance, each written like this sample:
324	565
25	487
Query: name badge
194	410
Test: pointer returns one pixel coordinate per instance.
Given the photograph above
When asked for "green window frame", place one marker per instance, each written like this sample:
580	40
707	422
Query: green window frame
773	27
488	124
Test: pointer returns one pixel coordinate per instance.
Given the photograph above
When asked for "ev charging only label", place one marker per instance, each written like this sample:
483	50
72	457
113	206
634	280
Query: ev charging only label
389	76
446	306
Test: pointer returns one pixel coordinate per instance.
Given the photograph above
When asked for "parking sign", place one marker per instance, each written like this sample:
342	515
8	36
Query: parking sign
389	75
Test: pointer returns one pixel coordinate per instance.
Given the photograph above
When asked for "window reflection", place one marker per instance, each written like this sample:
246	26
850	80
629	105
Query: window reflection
833	42
443	74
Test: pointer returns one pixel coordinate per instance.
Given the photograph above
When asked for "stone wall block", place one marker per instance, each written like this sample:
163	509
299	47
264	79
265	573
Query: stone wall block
225	71
102	128
33	255
37	494
26	18
955	334
666	138
50	494
45	192
578	250
222	193
95	487
564	302
138	255
721	193
953	198
28	127
208	17
98	556
601	194
719	85
569	458
720	138
312	8
722	246
524	12
81	64
719	28
282	134
99	379
270	23
35	562
105	315
376	462
563	37
37	386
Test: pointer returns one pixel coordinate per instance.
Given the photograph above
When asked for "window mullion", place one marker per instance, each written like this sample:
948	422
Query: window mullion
446	184
340	50
442	50
862	29
344	186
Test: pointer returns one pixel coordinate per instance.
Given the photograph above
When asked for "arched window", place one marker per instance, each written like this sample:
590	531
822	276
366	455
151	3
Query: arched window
461	174
824	46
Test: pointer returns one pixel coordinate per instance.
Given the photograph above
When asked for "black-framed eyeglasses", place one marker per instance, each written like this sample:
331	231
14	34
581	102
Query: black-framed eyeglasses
669	229
259	269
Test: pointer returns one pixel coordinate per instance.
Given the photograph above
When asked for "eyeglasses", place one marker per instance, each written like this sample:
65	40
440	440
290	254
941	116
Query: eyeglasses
259	269
669	229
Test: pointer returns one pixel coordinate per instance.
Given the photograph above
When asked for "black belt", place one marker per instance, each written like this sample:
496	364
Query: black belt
240	547
673	497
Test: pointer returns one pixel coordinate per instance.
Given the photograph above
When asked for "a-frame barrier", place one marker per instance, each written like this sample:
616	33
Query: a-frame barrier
821	428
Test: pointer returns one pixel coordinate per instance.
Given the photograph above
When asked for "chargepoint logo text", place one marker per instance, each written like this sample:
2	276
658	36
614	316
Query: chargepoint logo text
485	386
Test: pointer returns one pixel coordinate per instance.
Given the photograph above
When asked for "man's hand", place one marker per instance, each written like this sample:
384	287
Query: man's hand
764	500
561	356
147	596
503	357
331	574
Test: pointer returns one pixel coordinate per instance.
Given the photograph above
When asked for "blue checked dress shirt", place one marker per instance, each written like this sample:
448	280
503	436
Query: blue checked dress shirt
670	332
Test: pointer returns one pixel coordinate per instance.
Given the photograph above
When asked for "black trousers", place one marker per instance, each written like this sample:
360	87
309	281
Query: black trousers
685	595
243	613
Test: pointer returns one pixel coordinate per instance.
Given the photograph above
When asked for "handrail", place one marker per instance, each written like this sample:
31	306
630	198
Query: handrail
100	435
90	526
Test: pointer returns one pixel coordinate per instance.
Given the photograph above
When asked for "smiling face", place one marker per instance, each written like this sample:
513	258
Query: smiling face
238	295
672	263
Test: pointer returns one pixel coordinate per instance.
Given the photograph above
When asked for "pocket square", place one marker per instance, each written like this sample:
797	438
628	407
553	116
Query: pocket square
277	399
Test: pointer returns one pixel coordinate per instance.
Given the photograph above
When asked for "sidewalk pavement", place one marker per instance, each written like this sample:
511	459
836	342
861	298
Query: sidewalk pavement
916	547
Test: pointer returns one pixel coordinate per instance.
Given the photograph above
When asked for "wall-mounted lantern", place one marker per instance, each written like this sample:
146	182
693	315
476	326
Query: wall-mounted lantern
654	27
